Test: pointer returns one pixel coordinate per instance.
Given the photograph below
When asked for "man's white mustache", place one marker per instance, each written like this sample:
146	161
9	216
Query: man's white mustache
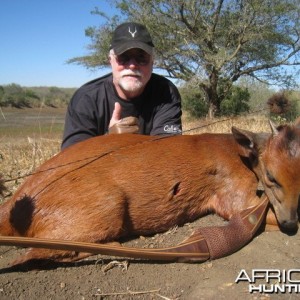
131	73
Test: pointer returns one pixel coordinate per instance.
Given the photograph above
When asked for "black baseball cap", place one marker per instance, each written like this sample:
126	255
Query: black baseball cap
131	35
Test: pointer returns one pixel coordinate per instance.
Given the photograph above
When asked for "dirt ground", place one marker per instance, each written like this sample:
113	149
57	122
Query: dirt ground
104	277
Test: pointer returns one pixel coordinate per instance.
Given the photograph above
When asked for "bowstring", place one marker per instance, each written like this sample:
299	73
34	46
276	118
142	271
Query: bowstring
156	138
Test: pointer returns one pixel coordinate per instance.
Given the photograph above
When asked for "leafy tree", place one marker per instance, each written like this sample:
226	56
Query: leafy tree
215	42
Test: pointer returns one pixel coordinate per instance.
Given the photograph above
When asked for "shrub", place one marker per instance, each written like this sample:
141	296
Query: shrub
236	102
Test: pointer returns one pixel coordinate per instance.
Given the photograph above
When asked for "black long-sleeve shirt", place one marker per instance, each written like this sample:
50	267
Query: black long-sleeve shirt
89	112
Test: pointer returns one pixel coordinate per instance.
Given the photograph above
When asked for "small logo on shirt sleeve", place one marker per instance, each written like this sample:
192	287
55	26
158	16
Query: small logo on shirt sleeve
172	128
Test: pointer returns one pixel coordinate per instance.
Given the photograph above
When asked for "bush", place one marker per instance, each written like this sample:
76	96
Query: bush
284	107
193	101
195	104
236	102
16	96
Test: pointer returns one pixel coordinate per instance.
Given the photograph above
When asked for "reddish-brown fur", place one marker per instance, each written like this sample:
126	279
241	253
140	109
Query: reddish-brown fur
115	186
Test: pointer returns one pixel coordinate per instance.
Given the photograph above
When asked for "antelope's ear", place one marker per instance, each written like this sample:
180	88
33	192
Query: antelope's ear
251	143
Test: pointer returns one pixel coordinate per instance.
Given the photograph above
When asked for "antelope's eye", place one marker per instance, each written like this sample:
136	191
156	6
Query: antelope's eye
272	179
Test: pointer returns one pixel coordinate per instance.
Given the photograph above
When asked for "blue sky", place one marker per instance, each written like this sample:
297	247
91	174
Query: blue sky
37	37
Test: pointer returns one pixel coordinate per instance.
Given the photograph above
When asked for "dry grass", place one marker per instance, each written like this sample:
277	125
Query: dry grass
258	123
22	157
23	150
28	137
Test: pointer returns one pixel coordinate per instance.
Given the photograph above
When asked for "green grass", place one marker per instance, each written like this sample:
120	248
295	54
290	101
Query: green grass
15	123
43	129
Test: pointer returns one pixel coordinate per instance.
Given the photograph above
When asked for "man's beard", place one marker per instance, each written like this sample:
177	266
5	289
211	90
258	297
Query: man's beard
131	85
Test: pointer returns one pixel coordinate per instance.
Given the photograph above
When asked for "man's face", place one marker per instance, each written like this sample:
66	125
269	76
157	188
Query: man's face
131	72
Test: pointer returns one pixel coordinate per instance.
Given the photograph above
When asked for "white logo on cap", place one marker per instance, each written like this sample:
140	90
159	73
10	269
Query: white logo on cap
132	33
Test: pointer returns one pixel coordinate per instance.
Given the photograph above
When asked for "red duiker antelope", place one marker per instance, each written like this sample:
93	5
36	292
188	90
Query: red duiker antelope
115	186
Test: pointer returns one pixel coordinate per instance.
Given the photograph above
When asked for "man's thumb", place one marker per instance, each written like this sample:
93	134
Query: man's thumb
116	116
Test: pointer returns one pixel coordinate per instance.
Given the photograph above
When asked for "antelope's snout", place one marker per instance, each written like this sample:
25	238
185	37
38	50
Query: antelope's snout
291	224
287	217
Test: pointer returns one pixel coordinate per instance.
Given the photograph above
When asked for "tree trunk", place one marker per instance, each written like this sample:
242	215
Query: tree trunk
211	110
212	94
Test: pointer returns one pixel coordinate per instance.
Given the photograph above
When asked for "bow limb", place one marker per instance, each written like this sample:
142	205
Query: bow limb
205	243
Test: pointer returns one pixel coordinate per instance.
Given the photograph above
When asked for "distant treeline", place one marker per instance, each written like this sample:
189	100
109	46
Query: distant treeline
283	105
13	95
